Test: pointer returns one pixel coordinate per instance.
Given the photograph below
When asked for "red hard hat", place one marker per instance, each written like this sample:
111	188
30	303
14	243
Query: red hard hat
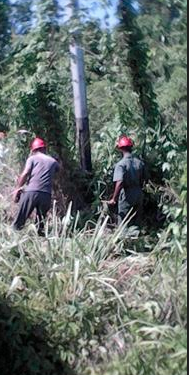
38	143
125	142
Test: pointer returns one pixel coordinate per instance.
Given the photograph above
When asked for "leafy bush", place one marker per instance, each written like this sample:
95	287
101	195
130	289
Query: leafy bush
25	346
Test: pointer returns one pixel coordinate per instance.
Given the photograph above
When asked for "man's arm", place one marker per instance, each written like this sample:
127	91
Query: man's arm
118	179
22	179
21	182
118	187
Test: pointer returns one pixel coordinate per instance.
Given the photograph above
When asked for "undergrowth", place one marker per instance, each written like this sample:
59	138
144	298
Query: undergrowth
73	303
87	300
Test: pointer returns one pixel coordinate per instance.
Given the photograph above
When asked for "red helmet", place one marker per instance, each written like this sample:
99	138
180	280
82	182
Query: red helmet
37	144
125	142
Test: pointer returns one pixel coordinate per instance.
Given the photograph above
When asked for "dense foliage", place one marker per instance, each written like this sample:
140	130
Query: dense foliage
86	300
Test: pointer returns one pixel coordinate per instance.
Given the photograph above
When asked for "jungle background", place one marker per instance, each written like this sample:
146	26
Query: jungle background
86	300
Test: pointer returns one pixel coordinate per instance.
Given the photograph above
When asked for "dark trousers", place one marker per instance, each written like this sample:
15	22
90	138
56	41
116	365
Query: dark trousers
131	199
29	201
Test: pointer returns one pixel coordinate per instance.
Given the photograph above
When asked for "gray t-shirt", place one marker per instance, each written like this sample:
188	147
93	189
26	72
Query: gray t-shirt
131	171
41	169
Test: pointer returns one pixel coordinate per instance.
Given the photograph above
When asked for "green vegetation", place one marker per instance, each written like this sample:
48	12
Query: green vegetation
98	311
86	300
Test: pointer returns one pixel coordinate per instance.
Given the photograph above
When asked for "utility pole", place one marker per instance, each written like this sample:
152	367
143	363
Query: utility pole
79	91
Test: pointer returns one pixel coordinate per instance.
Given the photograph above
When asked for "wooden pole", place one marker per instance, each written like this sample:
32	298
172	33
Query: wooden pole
80	94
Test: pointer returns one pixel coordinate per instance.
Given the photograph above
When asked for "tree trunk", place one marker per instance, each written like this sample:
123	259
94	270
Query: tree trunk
80	95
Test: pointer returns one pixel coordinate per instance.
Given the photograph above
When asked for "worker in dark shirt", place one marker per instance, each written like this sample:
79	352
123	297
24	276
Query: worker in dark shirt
36	194
129	177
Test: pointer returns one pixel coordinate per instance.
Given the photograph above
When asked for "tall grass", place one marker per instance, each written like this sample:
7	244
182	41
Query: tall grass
104	312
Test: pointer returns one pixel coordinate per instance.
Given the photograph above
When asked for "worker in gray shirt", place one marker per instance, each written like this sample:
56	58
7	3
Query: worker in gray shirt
129	177
38	176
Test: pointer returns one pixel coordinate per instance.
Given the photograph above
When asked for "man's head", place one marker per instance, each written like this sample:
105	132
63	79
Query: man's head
125	144
38	144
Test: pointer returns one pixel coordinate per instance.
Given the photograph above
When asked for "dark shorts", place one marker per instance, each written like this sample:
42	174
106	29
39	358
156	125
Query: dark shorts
29	201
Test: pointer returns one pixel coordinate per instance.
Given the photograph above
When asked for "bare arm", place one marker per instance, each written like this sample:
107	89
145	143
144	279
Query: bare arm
21	182
118	187
25	174
22	179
